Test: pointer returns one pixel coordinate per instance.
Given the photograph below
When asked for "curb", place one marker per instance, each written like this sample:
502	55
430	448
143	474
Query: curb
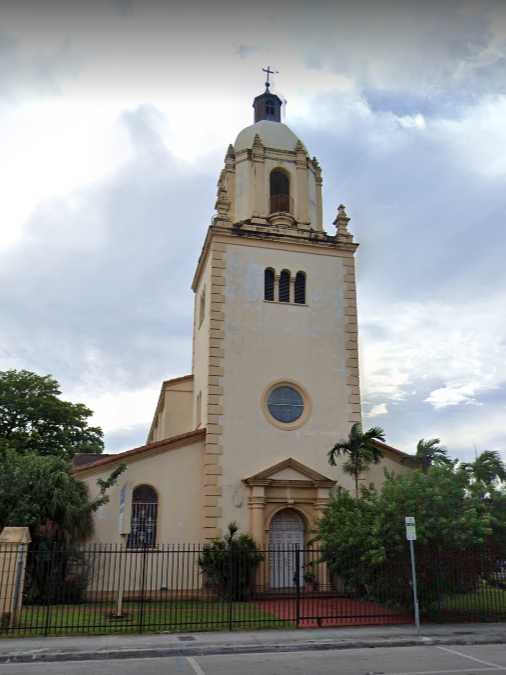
117	654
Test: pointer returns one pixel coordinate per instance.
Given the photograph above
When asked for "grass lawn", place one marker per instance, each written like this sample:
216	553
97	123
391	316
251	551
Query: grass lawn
487	600
176	616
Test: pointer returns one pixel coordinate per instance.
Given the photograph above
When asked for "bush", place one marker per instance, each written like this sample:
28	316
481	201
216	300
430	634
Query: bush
363	540
56	575
229	565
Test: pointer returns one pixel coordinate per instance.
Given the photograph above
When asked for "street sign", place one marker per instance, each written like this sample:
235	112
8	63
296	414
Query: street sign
410	528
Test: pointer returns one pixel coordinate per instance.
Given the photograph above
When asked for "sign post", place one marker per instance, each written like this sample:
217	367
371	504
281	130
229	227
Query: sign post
123	531
411	537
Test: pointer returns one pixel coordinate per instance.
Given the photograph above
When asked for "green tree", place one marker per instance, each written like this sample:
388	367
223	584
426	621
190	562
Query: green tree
33	418
39	492
430	452
361	451
487	470
363	540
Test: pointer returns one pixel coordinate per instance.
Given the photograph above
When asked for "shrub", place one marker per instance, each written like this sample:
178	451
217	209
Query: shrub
363	540
229	565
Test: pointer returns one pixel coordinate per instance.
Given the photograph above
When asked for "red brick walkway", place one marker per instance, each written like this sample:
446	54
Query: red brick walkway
315	612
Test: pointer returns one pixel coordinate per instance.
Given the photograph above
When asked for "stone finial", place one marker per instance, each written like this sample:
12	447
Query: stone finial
317	169
223	202
341	223
230	157
258	149
301	159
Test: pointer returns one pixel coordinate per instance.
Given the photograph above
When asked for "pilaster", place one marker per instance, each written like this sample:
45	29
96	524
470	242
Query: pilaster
260	208
319	184
302	204
351	341
213	448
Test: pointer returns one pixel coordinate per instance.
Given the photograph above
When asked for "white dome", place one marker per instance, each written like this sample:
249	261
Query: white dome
273	135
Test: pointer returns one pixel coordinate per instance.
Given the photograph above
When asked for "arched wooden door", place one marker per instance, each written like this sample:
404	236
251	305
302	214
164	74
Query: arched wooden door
286	538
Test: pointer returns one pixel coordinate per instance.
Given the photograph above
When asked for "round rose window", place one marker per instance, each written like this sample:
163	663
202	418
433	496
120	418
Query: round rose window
285	404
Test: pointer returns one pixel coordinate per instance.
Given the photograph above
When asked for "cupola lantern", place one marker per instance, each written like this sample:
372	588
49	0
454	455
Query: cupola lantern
267	106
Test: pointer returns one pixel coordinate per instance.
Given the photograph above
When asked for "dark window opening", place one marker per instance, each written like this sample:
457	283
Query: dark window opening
269	108
284	286
300	288
144	517
280	191
269	284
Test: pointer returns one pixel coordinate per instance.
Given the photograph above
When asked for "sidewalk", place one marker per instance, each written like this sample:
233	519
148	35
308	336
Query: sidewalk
32	650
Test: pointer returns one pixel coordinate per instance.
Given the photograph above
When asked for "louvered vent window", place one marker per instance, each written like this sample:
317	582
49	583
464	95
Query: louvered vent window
300	288
284	286
269	284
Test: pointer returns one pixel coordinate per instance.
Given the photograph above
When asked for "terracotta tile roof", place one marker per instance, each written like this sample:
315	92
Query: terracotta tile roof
121	456
82	458
402	456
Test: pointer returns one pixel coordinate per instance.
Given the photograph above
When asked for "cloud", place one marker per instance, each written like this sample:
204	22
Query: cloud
377	410
452	395
97	291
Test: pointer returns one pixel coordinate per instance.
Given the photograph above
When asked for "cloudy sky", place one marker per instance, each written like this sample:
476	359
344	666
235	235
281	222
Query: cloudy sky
114	119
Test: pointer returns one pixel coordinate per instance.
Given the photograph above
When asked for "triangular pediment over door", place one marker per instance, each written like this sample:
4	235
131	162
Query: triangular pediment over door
289	471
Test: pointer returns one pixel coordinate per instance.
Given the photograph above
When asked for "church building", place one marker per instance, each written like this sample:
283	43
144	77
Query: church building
275	376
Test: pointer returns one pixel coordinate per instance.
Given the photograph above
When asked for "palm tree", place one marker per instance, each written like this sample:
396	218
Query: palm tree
487	469
361	450
429	452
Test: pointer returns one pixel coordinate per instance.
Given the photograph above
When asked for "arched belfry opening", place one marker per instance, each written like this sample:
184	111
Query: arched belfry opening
279	183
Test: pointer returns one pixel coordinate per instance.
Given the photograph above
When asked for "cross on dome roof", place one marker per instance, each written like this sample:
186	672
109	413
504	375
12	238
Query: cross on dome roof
269	72
267	105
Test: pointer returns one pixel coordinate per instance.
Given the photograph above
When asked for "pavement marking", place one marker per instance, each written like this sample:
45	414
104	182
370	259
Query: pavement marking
496	666
195	666
439	672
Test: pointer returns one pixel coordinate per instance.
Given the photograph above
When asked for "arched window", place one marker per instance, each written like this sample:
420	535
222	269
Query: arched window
144	517
269	284
280	191
300	288
284	286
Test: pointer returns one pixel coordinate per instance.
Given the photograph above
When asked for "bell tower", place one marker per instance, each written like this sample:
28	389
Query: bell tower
275	356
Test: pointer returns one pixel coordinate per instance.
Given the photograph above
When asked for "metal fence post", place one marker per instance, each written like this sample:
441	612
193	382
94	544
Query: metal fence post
143	586
47	587
231	592
297	585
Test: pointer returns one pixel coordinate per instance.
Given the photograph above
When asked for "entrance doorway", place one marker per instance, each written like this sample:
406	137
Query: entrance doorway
286	538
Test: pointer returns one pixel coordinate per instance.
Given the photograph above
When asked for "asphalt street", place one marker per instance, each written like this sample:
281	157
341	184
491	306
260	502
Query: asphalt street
427	660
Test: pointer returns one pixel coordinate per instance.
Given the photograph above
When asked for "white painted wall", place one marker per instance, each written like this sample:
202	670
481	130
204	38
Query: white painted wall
175	475
266	342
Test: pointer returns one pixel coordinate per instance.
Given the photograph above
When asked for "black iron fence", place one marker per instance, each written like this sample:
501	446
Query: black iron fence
54	590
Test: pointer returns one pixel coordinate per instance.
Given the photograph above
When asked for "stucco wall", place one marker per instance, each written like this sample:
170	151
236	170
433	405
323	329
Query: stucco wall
175	475
267	342
246	171
201	346
175	416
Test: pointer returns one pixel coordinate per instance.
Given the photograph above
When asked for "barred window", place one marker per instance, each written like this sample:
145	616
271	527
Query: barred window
269	284
144	517
300	288
284	286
